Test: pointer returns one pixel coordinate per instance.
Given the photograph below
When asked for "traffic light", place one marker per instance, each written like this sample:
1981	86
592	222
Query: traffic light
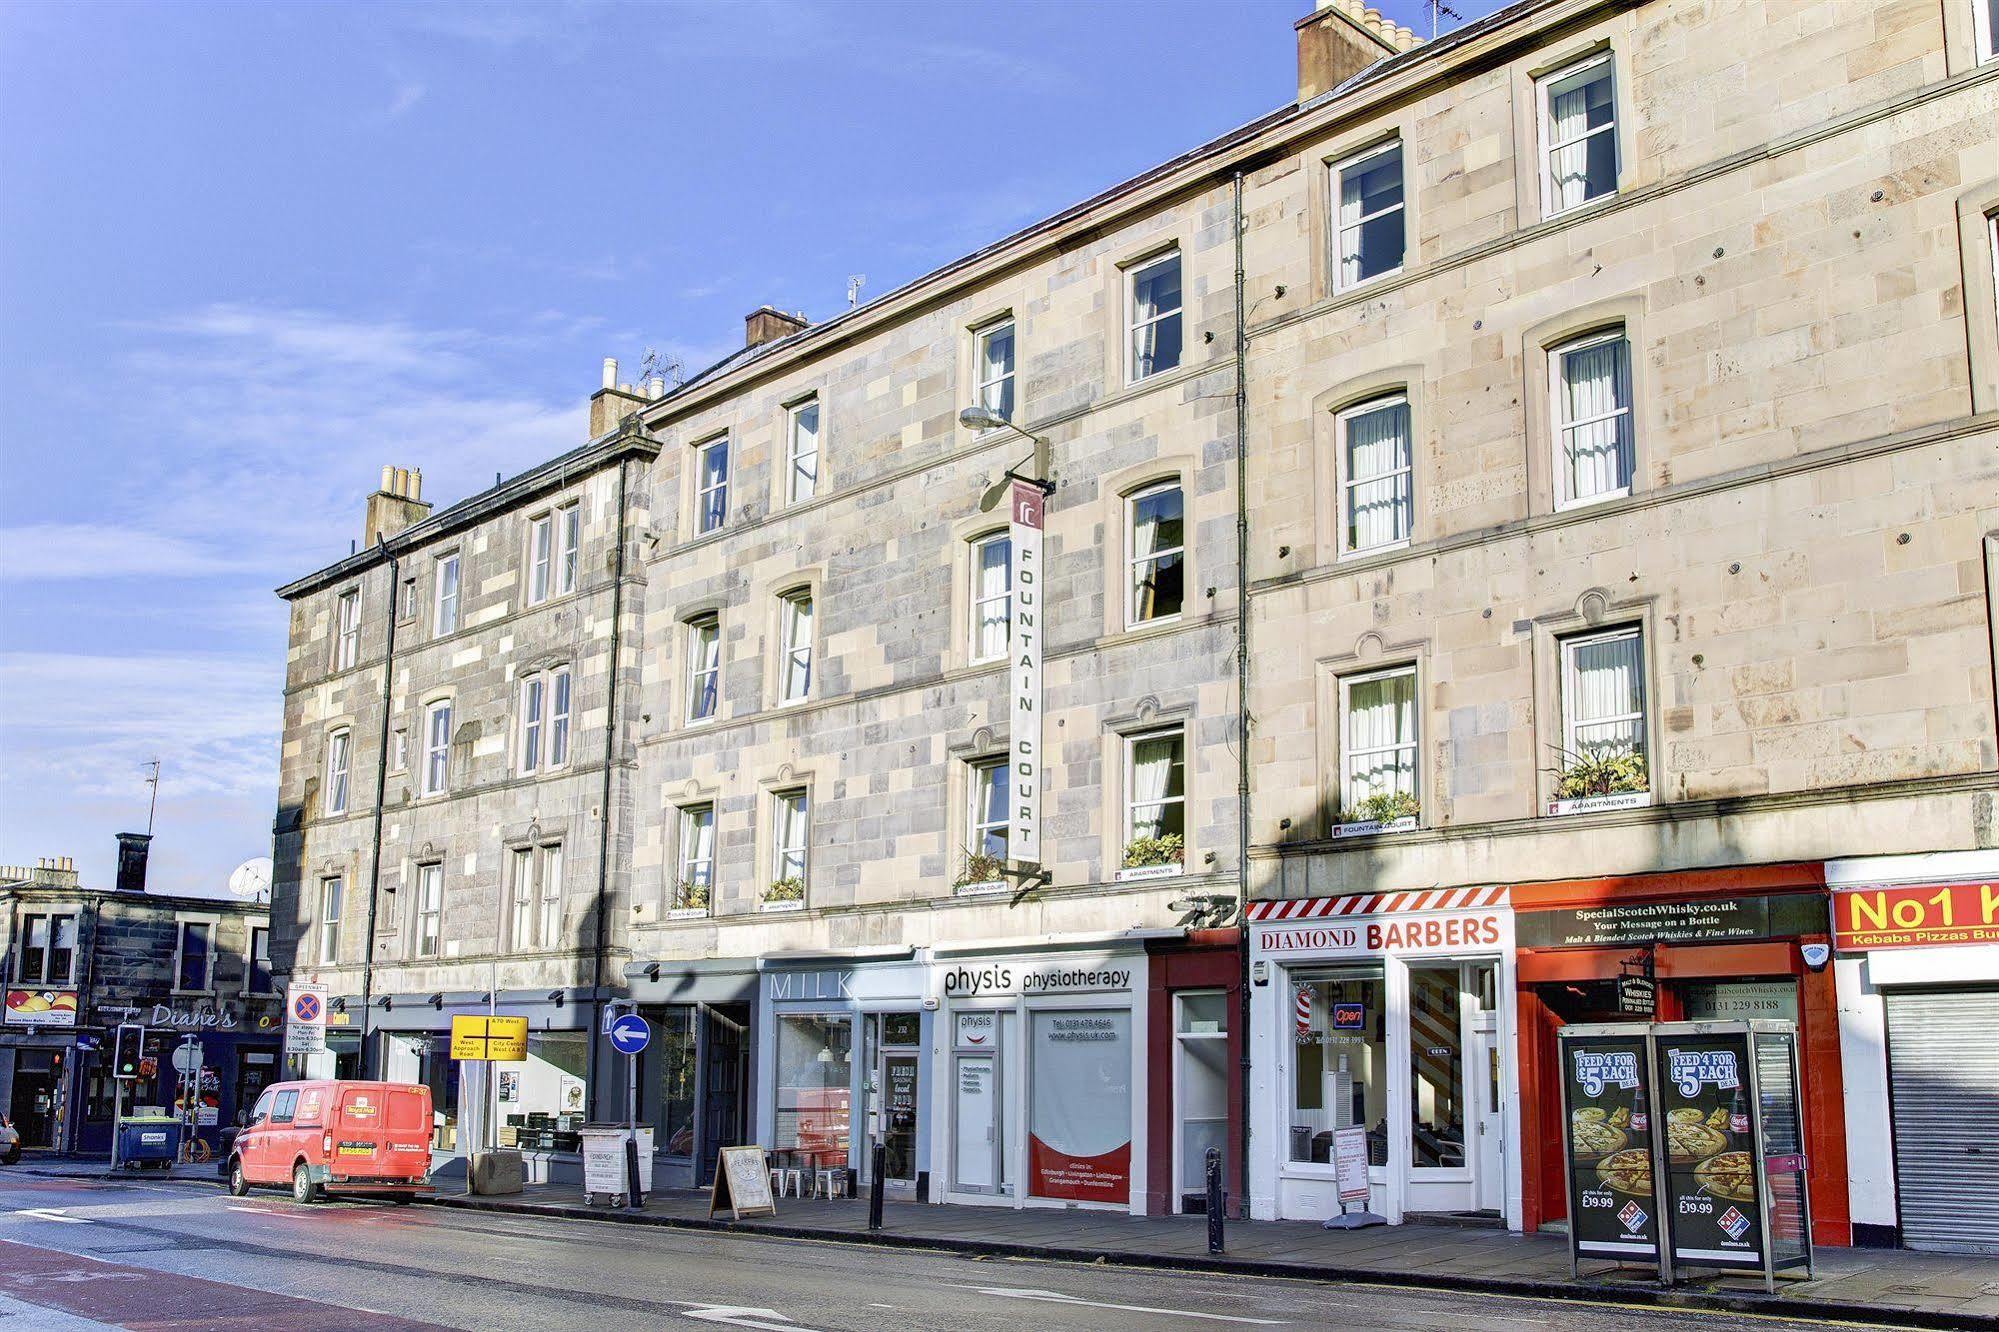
128	1050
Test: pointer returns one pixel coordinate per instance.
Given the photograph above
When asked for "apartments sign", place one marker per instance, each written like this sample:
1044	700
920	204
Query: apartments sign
1024	526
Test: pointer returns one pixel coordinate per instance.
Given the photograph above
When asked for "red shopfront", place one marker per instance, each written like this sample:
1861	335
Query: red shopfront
1193	1052
1713	944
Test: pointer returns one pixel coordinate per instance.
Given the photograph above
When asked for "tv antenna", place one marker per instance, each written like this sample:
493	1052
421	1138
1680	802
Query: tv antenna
854	284
1439	9
153	804
661	365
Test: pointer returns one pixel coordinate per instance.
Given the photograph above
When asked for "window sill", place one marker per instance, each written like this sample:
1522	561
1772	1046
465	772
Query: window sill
1159	622
1576	210
1364	552
1374	827
1598	804
794	702
1366	282
1139	872
1564	506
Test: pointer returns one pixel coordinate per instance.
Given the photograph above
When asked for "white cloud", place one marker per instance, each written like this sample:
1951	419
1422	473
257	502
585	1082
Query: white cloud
53	551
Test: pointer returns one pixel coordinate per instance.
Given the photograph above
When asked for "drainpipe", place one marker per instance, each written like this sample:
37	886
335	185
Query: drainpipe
590	1053
367	1060
1242	700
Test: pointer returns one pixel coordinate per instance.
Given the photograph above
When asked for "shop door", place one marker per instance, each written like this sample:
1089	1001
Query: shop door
34	1100
1943	1094
1489	1088
1200	1091
977	1137
722	1085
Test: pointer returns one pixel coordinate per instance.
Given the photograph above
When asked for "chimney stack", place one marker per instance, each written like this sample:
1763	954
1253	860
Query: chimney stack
613	402
1341	38
132	851
767	323
396	506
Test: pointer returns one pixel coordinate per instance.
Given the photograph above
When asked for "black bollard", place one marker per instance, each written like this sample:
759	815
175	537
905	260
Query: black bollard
877	1167
633	1199
1214	1200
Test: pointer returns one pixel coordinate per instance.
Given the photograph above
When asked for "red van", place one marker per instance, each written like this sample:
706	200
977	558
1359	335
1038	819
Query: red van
336	1136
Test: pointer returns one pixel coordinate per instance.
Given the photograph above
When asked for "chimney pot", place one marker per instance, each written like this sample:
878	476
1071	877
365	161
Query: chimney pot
395	507
656	387
610	372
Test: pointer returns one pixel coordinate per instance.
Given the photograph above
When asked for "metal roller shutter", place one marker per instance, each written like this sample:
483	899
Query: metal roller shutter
1943	1079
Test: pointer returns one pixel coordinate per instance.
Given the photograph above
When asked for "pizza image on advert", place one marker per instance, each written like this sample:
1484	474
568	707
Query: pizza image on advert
1592	1136
1691	1140
1628	1171
1728	1175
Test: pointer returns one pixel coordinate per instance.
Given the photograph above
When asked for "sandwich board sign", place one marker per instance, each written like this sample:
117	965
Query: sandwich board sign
305	1020
742	1184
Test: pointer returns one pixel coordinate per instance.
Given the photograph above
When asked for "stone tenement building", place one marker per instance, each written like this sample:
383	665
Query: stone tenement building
1617	393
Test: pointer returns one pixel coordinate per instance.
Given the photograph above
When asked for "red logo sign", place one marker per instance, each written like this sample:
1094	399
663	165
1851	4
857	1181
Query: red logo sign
1920	916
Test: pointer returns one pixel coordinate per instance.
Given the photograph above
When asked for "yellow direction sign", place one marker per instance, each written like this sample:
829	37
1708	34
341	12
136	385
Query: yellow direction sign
481	1037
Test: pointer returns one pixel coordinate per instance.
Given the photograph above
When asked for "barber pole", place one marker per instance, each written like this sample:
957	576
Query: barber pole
1024	672
1303	1008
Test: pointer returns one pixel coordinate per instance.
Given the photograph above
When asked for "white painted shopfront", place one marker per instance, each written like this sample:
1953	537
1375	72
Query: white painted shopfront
1393	1012
1040	1089
1917	973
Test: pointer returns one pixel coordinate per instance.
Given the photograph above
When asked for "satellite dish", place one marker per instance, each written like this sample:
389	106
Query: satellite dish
251	880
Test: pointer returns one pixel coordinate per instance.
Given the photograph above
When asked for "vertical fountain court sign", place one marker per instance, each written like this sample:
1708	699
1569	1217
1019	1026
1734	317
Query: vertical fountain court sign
1024	526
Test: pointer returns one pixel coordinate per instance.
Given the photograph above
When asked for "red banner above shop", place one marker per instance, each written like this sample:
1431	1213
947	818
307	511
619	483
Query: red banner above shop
1915	916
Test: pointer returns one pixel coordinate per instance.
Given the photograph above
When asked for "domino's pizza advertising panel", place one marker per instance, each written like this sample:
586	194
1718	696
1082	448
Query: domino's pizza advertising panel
1712	1198
1612	1209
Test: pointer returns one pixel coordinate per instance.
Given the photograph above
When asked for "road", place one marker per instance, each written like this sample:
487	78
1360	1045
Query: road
87	1254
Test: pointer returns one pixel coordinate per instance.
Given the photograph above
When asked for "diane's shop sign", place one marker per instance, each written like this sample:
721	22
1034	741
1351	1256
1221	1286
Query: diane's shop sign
1916	916
1713	920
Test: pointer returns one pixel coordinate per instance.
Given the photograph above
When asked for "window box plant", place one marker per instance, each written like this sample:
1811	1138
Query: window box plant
690	900
1387	811
786	894
979	875
1600	779
1153	857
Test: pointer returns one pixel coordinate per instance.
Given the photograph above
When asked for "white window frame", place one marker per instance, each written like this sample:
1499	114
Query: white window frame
333	888
1132	558
702	489
536	908
980	600
339	769
541	557
533	720
799	487
1132	324
687	860
982	386
1543	92
347	630
1349	483
444	604
1349	751
704	668
568	547
213	924
46	974
399	749
257	932
1985	41
1571	685
792	653
782	855
1558	406
1365	158
1131	803
427	937
406	605
977	825
436	756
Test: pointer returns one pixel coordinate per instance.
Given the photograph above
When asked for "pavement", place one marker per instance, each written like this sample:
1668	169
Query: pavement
1896	1287
158	1253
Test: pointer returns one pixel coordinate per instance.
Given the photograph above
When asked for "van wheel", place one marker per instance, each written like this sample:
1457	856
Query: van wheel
303	1189
238	1185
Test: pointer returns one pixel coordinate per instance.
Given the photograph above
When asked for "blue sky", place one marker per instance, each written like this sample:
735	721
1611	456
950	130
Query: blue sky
249	254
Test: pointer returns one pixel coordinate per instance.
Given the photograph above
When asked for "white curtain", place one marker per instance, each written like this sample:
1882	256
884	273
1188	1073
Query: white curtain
1381	737
1571	113
697	847
1156	534
1369	246
1609	703
1378	477
1596	415
1152	763
797	646
1155	319
989	810
992	587
792	812
996	371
